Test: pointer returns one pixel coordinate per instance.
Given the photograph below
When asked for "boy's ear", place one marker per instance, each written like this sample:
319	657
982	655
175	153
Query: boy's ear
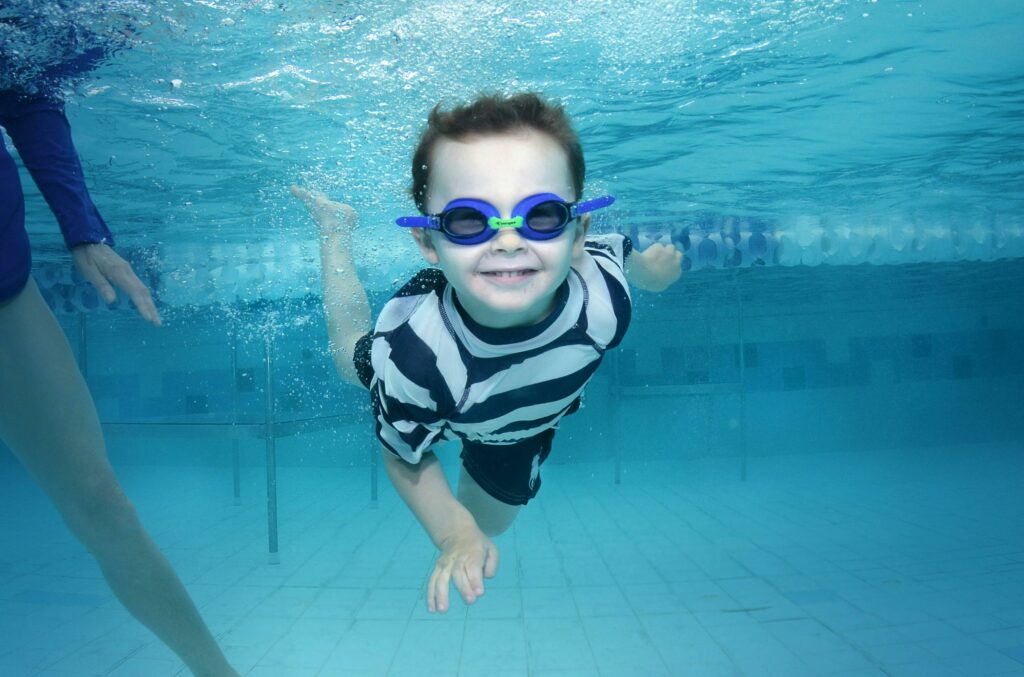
426	246
581	235
422	239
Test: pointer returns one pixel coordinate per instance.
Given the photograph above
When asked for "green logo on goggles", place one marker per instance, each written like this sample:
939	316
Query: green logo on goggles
496	223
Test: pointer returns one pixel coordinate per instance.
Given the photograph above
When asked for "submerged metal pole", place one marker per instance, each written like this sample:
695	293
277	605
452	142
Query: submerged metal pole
236	470
374	463
271	453
615	392
743	381
236	465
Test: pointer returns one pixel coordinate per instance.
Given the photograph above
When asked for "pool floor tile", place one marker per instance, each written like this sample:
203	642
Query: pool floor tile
661	575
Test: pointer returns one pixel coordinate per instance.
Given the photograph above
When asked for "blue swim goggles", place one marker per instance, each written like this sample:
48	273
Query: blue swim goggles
538	217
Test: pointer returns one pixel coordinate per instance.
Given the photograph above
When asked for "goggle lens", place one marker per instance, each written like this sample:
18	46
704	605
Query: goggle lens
548	217
464	222
471	221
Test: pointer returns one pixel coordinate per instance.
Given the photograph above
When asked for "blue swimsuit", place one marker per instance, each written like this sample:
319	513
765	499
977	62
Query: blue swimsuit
40	132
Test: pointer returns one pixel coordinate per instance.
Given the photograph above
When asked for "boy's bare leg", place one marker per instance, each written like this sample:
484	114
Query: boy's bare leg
491	515
48	418
346	306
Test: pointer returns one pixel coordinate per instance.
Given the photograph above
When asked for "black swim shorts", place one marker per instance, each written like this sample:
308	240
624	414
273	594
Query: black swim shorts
508	472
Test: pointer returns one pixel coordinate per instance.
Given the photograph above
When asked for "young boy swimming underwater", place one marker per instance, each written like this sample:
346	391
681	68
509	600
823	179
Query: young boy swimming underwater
494	344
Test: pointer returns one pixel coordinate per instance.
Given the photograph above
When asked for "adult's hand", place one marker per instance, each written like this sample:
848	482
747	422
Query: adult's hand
104	269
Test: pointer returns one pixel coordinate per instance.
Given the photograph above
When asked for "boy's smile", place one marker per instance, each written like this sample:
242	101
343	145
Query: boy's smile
508	281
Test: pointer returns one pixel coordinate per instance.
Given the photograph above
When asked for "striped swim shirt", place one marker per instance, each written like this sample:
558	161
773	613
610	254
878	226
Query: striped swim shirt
435	374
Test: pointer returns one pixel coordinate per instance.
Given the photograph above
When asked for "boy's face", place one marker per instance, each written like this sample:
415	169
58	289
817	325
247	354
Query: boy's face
508	281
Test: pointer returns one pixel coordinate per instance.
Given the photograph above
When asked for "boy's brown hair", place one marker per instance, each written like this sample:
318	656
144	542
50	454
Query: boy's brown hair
495	114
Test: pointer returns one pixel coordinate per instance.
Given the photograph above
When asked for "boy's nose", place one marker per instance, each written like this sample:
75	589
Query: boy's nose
508	240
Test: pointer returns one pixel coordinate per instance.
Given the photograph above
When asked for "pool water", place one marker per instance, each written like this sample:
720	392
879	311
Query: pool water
803	460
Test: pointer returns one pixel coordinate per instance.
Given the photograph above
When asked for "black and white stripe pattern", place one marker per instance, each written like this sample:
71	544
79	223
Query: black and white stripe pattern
434	374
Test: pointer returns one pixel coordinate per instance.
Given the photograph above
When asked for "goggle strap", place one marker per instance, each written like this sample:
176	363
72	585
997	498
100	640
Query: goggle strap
417	222
592	205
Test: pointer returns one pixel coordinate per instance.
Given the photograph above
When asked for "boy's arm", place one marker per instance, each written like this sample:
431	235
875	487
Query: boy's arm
345	303
655	268
467	555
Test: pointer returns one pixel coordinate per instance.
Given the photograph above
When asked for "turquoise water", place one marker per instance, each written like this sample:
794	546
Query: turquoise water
804	459
896	122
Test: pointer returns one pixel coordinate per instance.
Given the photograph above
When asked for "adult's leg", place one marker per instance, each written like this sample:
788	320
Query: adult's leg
49	420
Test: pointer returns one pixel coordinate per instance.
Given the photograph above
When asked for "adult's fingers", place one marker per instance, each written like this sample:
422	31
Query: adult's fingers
98	280
125	278
104	269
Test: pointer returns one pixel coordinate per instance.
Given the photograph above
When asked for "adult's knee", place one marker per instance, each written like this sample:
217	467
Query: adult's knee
101	515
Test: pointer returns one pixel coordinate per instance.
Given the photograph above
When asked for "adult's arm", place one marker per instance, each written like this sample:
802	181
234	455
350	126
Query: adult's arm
41	133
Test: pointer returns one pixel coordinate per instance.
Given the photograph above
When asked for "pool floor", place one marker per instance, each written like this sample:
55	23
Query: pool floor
898	563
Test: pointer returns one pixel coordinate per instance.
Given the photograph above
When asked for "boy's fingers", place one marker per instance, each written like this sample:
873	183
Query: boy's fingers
491	563
474	577
437	596
441	592
431	605
461	580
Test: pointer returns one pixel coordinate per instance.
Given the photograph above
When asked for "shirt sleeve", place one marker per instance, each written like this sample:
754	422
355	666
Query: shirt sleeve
609	308
362	359
405	402
614	247
400	427
42	135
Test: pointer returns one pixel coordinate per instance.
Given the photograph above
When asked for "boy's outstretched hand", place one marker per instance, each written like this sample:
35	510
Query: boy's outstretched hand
467	557
655	268
334	218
